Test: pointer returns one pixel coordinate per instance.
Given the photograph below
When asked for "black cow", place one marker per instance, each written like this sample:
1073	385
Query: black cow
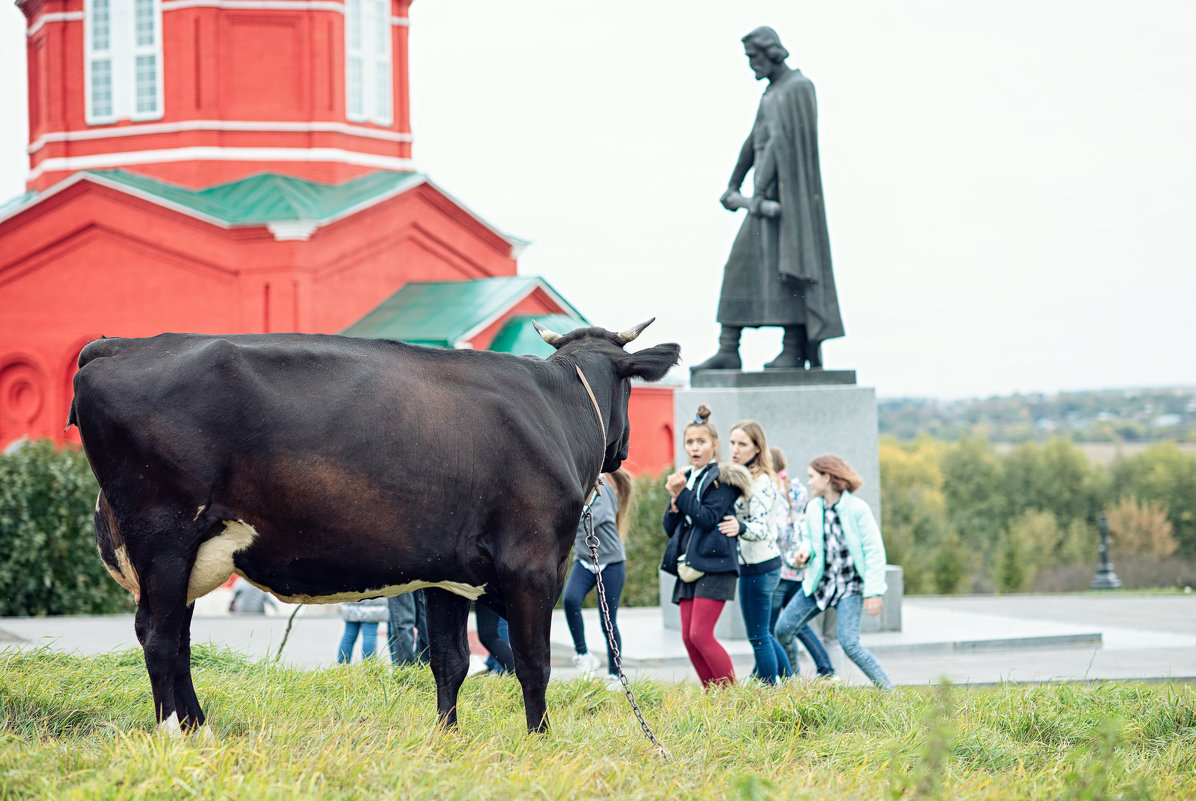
324	469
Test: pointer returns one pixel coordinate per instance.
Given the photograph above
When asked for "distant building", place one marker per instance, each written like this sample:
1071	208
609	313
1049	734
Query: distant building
228	167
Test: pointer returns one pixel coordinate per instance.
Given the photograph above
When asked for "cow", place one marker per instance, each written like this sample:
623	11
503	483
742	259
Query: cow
325	469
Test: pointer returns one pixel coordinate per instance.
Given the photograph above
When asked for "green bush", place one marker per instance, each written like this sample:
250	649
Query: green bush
48	559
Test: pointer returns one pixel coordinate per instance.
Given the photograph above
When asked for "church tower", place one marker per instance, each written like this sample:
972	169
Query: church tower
201	92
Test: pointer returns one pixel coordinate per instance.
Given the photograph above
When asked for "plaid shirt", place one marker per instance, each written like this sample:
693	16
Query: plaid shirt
840	578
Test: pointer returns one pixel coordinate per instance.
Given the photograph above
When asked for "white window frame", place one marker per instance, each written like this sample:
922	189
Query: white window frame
121	56
369	62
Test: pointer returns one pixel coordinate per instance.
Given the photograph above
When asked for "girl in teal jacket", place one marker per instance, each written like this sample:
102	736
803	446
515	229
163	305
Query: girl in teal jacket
845	558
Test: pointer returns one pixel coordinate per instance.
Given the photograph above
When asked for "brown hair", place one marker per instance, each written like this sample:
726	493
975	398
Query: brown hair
763	463
620	482
841	474
779	463
702	420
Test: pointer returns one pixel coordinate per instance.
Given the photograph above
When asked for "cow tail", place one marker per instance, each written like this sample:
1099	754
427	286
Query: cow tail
113	552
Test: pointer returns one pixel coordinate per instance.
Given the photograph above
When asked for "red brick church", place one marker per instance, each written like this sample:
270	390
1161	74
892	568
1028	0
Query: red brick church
234	167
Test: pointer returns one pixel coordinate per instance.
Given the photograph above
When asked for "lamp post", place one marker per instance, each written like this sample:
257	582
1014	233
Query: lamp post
1105	578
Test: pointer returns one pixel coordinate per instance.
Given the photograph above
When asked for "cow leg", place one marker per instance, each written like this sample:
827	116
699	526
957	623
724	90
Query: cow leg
191	716
448	641
529	617
161	618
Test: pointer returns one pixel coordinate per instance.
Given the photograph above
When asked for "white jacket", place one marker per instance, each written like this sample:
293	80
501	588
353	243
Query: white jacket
758	518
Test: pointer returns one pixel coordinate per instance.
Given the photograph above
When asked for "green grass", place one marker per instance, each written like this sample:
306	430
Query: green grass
82	728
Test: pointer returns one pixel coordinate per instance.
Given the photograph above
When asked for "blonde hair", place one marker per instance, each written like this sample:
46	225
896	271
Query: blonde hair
841	474
620	482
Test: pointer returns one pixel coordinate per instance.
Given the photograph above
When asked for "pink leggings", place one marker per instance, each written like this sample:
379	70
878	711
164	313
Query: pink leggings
710	659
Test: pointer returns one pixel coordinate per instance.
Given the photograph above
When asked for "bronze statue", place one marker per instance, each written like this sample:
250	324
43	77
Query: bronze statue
779	270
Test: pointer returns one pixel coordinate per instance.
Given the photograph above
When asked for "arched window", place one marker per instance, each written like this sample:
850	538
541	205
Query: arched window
368	61
123	64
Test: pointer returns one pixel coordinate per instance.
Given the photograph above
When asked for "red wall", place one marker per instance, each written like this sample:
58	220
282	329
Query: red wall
650	413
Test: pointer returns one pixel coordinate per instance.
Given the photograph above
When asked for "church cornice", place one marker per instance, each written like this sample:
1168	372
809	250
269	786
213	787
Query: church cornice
182	126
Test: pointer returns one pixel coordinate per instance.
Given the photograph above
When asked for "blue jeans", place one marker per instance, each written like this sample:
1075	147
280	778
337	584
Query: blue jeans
786	589
492	664
492	634
369	640
578	586
802	609
407	628
755	601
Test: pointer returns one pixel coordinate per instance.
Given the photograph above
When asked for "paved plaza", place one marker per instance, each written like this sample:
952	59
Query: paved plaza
968	639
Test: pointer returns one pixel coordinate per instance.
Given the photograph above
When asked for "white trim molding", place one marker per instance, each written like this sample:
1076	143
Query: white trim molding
147	129
60	16
270	5
101	161
292	230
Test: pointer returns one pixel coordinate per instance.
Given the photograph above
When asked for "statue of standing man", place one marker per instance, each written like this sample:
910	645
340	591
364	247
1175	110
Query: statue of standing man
779	270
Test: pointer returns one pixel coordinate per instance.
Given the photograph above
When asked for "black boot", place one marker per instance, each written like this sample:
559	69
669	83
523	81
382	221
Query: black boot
727	357
793	350
814	354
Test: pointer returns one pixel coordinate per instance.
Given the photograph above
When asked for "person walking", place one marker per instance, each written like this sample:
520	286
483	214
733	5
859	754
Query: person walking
794	497
842	546
754	522
703	558
407	628
609	517
360	617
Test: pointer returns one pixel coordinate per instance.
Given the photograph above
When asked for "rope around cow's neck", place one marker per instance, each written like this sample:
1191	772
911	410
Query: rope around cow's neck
602	424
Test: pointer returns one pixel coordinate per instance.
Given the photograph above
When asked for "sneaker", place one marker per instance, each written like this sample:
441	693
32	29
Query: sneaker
587	664
614	684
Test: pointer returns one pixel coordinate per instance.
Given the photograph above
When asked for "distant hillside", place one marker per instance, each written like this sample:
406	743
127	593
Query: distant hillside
1122	415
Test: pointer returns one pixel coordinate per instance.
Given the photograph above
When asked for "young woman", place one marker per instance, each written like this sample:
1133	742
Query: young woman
846	562
755	524
609	514
702	558
794	497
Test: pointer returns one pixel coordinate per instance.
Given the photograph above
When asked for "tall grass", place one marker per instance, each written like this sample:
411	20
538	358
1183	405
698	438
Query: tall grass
74	727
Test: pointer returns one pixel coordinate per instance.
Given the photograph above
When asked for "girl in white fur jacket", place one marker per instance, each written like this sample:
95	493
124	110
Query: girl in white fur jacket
755	524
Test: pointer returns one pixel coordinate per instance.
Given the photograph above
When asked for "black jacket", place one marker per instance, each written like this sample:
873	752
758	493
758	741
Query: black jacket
708	549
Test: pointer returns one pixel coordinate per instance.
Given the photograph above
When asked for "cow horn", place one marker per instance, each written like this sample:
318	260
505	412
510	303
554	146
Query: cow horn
631	333
551	337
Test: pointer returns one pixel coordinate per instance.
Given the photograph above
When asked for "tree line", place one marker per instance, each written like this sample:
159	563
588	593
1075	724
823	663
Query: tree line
1121	415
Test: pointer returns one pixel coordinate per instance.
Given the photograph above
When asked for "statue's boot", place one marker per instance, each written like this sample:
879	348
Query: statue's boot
727	357
814	354
793	350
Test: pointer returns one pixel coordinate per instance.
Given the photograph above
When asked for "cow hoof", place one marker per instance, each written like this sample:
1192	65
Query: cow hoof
170	726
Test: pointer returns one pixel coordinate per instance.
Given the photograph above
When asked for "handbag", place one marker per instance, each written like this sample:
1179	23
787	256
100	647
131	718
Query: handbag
687	573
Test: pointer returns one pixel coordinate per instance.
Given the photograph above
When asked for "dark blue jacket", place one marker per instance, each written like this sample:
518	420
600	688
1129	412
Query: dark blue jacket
708	550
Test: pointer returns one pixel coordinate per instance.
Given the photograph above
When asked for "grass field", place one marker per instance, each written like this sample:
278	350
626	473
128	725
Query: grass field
82	728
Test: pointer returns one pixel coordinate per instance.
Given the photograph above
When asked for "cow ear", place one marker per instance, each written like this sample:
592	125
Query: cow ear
650	364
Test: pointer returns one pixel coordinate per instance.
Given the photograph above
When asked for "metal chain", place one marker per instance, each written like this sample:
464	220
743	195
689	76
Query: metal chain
592	544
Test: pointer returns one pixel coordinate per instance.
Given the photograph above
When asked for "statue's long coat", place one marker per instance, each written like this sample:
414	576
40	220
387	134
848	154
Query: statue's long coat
779	270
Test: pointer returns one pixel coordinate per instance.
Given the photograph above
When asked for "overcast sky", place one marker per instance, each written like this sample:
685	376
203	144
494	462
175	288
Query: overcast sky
1010	186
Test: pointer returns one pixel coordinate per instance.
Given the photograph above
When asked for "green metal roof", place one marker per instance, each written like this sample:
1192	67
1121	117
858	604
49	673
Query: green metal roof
519	336
444	313
269	197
